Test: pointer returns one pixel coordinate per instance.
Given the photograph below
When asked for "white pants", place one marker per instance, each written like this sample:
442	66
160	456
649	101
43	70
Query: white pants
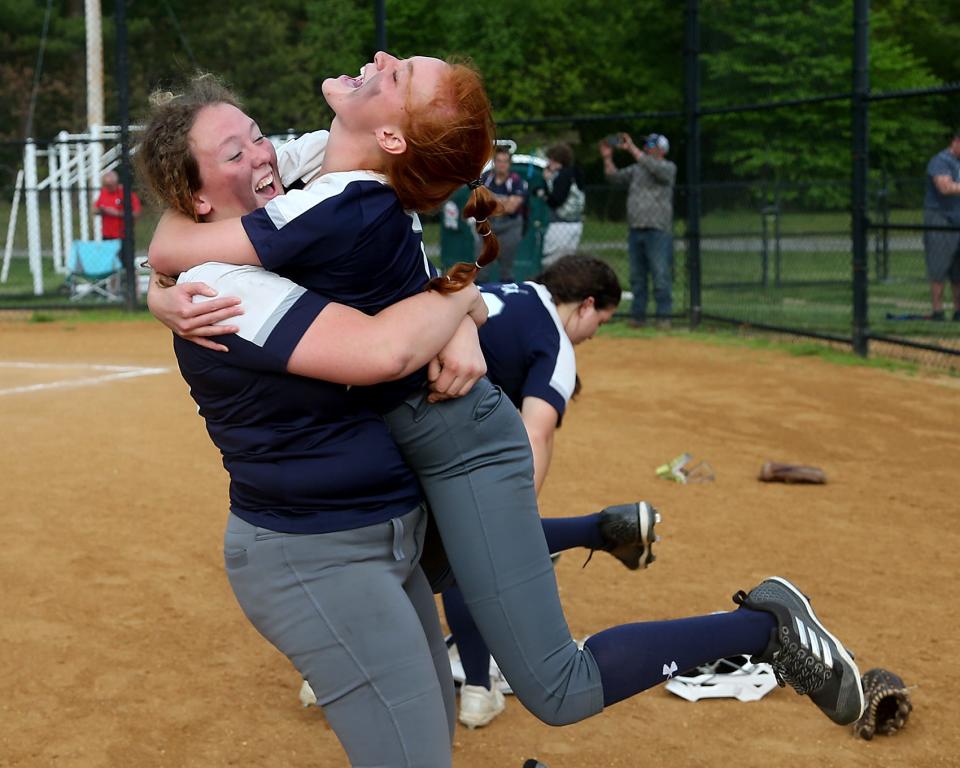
561	239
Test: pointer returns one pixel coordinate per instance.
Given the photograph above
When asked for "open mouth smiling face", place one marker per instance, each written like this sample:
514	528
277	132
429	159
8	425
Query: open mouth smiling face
237	163
267	188
380	93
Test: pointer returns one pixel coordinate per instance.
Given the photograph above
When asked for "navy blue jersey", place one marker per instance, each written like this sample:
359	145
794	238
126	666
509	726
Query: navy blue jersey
347	238
513	185
528	353
303	457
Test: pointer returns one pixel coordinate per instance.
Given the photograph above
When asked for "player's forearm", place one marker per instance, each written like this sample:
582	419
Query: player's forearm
542	447
180	243
347	347
419	327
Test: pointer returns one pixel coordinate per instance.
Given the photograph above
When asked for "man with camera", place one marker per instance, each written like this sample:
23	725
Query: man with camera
651	178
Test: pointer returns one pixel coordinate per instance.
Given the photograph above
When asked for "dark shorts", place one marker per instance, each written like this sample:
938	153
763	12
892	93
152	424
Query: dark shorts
942	249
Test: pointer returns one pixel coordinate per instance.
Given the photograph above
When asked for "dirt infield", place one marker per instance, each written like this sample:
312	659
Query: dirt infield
123	645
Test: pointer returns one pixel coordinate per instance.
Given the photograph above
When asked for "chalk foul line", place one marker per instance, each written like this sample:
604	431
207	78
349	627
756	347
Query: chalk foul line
108	373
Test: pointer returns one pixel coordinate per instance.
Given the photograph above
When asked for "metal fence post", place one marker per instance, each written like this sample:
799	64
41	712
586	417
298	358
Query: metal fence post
859	118
764	247
123	98
777	257
884	271
692	107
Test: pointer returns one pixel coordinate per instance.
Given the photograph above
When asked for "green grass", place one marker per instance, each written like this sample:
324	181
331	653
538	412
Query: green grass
70	317
814	293
106	315
730	338
17	292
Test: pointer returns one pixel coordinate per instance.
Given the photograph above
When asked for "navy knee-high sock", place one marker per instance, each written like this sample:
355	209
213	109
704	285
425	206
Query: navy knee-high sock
634	657
474	654
568	532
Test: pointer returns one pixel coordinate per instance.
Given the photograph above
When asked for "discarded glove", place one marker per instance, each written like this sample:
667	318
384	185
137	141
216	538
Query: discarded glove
888	704
775	472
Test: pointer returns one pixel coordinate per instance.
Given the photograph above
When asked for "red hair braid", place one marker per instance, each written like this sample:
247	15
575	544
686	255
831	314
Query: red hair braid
449	141
482	205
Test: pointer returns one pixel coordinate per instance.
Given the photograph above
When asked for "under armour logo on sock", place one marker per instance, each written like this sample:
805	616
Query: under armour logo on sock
669	671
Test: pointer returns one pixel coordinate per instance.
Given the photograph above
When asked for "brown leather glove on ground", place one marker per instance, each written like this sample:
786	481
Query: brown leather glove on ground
775	472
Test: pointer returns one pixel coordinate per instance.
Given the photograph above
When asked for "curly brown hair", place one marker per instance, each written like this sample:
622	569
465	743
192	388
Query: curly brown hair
164	158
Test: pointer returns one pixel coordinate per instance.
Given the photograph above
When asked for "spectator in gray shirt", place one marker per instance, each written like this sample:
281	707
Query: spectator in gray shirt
650	218
941	208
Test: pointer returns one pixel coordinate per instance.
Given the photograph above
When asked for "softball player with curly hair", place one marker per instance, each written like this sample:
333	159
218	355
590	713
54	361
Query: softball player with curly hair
471	453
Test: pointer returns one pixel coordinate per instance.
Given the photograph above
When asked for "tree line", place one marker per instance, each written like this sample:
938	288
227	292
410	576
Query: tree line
540	59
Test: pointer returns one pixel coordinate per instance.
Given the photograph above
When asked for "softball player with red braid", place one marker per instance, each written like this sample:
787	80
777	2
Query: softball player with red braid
471	453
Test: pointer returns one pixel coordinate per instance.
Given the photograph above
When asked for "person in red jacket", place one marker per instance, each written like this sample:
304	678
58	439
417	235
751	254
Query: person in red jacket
109	205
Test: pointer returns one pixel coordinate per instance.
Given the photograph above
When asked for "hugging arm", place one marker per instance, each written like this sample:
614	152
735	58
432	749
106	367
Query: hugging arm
458	365
195	320
342	345
345	346
179	243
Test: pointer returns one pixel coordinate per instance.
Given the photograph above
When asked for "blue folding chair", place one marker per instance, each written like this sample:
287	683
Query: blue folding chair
92	267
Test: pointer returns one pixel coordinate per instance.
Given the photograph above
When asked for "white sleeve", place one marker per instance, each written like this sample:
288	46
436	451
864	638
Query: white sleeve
266	297
302	158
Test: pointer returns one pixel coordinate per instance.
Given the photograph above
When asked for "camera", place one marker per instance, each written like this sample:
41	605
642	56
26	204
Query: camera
613	140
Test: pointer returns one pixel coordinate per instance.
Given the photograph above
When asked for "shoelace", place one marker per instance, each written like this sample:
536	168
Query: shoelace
612	546
795	665
792	663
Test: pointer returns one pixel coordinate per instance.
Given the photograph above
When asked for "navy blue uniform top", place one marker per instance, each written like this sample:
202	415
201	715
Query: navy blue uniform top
513	185
303	457
347	238
528	353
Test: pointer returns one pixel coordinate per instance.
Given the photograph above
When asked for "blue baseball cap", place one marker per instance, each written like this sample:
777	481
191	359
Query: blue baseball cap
657	140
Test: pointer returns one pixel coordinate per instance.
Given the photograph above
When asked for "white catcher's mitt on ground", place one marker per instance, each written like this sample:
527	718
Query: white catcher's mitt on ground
735	677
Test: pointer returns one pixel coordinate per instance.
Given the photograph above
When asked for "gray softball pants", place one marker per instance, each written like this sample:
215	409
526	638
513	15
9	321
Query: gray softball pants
354	613
473	459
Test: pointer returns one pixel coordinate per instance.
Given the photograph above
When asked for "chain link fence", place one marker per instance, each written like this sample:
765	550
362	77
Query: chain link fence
761	241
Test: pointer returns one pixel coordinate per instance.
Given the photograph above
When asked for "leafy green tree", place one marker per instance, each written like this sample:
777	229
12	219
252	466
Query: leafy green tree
62	76
931	29
765	50
551	57
257	48
557	57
